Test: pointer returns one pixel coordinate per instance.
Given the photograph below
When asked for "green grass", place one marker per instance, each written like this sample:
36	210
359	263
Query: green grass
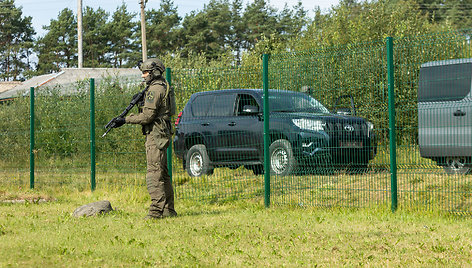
308	223
238	233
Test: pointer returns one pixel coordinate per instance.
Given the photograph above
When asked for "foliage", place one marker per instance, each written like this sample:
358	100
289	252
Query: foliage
456	13
57	49
95	38
123	34
16	42
353	22
62	123
260	19
207	30
14	131
162	29
222	27
197	74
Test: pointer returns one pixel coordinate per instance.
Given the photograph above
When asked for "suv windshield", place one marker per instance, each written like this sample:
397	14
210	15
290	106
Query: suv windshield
295	102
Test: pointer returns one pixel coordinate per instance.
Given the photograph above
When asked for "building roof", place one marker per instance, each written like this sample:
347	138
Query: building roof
67	77
7	85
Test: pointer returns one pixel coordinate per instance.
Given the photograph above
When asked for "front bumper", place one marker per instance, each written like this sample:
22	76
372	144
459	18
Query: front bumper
344	150
308	145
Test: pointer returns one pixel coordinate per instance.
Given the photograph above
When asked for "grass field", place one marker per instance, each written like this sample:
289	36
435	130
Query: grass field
240	233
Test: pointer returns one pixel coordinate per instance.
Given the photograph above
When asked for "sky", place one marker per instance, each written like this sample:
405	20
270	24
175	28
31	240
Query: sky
43	11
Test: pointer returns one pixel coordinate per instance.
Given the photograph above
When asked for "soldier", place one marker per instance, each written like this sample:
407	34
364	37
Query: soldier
154	117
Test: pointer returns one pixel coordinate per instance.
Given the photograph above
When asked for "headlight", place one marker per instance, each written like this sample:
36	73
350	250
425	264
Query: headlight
370	127
308	124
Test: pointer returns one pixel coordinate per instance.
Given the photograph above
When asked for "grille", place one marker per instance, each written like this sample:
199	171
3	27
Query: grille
340	128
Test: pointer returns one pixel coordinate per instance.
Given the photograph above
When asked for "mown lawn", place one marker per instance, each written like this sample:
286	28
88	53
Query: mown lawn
238	233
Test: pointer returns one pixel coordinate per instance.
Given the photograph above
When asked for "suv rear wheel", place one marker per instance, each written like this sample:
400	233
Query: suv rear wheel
198	162
282	160
456	165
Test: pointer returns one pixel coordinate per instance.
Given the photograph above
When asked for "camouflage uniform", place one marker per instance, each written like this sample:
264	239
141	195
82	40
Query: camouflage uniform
155	120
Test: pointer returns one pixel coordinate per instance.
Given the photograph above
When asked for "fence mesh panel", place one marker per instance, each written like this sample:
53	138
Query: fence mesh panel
434	145
328	136
350	165
215	134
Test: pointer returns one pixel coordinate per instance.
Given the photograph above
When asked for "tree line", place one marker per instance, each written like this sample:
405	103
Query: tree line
223	29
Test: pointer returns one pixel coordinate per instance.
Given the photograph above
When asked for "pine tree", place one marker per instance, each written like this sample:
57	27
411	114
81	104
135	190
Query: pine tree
123	44
16	42
95	38
260	20
58	48
207	31
162	29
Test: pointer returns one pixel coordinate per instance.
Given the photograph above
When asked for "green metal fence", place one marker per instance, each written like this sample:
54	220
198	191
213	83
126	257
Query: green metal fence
430	124
379	146
350	177
229	182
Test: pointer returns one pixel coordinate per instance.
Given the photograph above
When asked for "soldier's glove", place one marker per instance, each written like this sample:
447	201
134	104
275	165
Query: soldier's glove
118	122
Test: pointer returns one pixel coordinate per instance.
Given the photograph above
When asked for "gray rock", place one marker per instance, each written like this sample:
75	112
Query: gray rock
93	209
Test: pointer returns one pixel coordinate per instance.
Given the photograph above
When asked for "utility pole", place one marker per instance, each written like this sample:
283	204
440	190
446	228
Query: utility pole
143	29
79	33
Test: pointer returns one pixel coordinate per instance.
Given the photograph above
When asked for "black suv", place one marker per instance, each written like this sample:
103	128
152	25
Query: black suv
224	128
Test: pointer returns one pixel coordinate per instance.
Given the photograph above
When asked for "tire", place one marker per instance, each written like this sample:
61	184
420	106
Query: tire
282	160
198	162
456	165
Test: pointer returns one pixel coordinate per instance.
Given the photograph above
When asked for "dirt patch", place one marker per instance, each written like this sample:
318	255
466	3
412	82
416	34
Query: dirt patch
21	201
20	198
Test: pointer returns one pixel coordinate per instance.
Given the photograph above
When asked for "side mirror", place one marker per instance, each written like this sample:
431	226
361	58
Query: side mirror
250	110
342	110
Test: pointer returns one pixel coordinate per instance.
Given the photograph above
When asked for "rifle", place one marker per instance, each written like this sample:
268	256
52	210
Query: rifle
136	98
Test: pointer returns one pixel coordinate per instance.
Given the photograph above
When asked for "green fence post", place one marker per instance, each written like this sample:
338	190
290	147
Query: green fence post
169	149
391	115
92	133
265	85
32	138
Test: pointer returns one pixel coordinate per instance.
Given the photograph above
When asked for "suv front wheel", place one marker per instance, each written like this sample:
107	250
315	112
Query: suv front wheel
282	160
197	161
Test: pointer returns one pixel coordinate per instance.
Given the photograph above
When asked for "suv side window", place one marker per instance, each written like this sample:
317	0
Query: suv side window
445	83
223	105
243	100
201	104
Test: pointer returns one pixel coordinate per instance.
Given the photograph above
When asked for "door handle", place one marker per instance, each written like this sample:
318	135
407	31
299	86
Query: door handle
232	124
459	113
205	124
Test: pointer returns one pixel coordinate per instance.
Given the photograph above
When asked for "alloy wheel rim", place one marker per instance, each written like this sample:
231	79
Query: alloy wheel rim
457	164
196	161
279	160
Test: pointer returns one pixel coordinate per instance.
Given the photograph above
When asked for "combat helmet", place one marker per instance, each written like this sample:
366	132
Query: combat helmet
154	66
